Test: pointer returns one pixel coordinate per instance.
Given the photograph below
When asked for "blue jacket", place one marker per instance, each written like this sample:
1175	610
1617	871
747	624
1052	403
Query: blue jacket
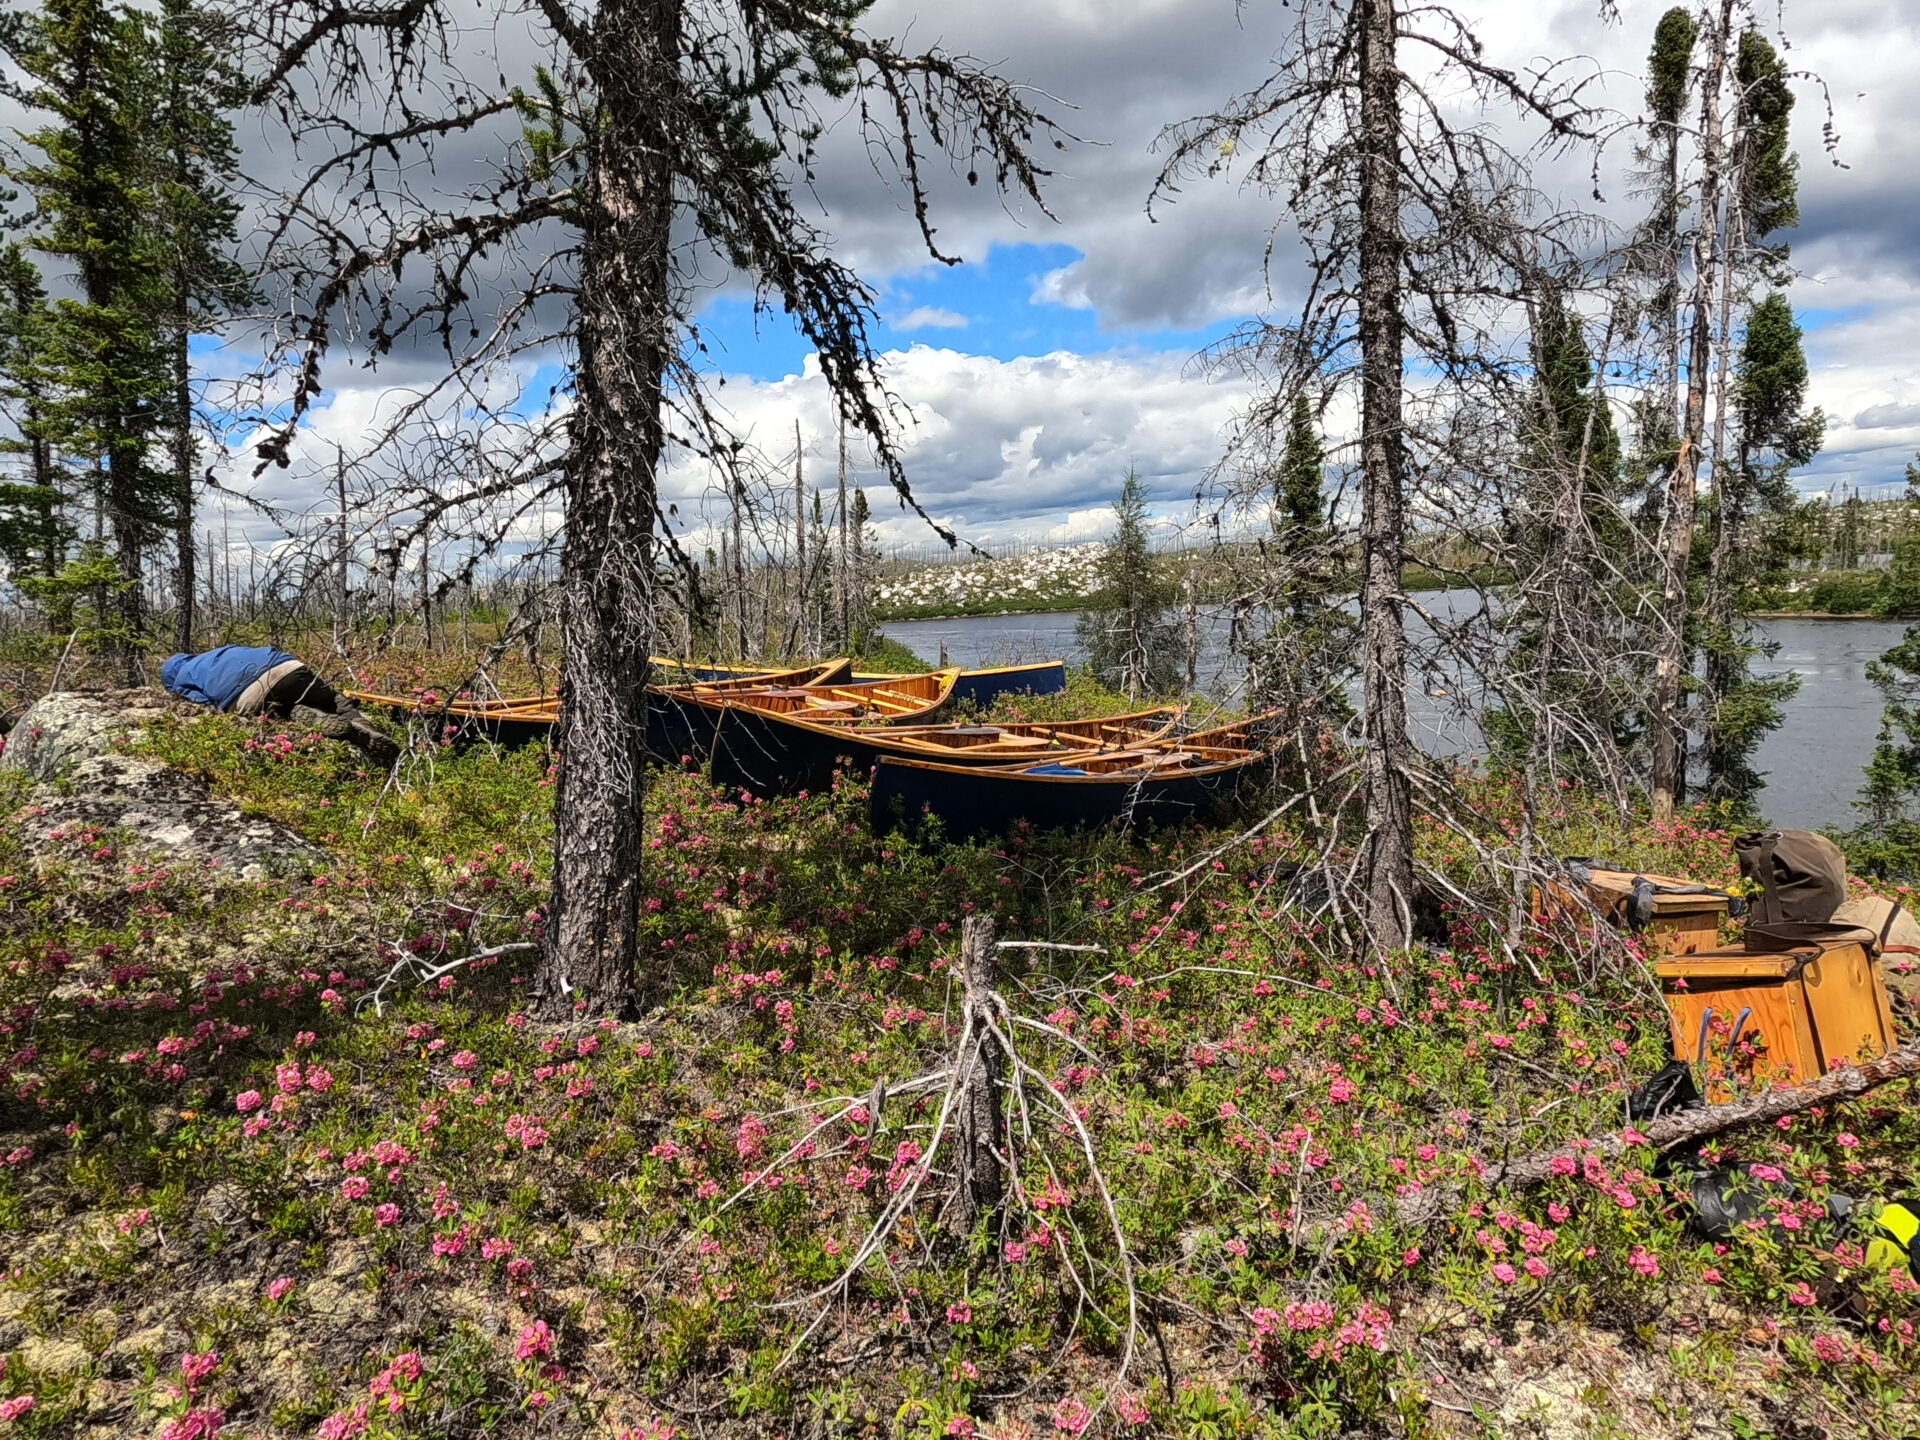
216	677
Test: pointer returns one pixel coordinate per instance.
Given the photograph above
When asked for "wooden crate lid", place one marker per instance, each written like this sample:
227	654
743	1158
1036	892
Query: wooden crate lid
1612	887
1734	964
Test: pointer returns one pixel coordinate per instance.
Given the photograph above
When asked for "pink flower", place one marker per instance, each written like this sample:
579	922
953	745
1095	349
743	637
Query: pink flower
197	1367
247	1100
16	1407
1015	1251
1558	1213
1071	1416
1505	1273
277	1288
354	1186
387	1214
1411	1257
1342	1090
960	1425
857	1177
494	1246
535	1339
1644	1262
1711	1275
344	1424
1760	1171
195	1424
1131	1409
318	1079
465	1060
1536	1267
959	1313
1563	1165
1802	1294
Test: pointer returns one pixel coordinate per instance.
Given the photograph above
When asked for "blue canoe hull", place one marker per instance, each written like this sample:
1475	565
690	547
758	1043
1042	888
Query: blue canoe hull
985	803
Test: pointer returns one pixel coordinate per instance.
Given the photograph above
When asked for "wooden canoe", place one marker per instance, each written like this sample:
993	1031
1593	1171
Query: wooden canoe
896	700
528	719
772	754
983	687
1156	783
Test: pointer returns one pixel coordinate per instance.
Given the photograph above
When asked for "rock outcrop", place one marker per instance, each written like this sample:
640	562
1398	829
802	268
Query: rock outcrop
70	743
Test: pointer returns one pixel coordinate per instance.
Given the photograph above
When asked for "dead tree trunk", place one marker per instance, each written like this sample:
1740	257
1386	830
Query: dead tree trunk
1669	739
185	561
1689	1125
982	1176
843	575
625	338
1388	851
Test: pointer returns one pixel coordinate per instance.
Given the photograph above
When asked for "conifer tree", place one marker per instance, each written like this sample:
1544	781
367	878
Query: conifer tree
34	529
1301	663
86	73
1761	404
195	85
1125	630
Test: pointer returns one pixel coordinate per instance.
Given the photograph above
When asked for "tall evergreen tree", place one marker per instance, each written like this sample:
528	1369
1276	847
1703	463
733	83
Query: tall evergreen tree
1761	405
1669	83
195	85
34	529
85	71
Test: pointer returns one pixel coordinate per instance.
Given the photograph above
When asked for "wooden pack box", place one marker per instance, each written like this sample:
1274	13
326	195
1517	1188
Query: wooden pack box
1681	924
1807	1011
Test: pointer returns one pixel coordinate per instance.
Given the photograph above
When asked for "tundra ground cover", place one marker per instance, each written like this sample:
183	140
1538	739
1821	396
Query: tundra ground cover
239	1198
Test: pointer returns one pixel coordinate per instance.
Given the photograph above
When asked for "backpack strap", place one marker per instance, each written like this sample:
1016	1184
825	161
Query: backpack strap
1767	910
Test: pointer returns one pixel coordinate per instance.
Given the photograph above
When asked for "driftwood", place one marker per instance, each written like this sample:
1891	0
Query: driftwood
1688	1125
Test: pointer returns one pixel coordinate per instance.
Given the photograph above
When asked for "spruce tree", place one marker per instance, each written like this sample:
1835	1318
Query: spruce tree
193	164
34	529
109	394
1761	400
1301	662
1125	630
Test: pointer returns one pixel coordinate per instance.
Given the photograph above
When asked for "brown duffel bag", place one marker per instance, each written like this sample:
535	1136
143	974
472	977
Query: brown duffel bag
1802	876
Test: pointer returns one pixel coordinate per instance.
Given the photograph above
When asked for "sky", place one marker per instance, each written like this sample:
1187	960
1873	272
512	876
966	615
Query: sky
1063	350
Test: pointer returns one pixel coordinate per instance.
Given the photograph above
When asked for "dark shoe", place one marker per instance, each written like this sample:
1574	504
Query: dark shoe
379	746
334	727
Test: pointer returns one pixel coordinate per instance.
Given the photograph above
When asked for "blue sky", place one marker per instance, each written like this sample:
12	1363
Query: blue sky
985	307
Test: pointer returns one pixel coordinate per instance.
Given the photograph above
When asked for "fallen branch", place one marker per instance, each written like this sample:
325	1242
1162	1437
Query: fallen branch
1689	1125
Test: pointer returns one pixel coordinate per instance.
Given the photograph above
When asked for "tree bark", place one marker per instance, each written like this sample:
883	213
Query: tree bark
185	558
982	1178
590	957
1388	848
1669	739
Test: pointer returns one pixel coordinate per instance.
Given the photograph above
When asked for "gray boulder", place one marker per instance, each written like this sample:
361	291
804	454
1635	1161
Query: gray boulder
69	743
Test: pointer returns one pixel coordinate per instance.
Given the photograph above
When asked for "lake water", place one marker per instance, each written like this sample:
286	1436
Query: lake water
1812	761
